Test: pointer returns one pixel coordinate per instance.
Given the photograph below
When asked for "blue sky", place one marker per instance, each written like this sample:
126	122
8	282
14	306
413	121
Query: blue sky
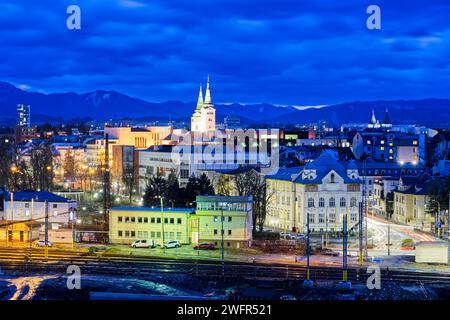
277	51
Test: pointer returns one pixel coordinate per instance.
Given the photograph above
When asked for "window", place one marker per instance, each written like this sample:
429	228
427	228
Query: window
178	220
119	233
119	219
166	220
332	202
158	220
321	202
27	205
133	234
127	219
172	220
152	220
178	235
310	203
332	178
342	202
216	218
353	202
321	218
215	231
229	219
55	206
127	233
145	220
229	232
139	219
132	219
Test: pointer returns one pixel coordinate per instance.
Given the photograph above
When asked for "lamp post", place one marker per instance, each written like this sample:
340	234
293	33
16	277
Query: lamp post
161	198
222	242
436	229
308	283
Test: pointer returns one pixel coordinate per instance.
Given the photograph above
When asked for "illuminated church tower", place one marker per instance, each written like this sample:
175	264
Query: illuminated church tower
204	117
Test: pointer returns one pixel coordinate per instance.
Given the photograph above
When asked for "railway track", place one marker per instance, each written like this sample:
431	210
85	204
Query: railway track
20	260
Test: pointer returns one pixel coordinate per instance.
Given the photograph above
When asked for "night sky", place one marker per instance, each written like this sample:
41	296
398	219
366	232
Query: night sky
282	52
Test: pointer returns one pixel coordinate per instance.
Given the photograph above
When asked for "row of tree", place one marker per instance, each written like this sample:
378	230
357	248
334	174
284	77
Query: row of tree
244	184
172	194
18	174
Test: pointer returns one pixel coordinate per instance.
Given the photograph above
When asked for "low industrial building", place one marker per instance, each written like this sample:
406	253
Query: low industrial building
187	225
432	252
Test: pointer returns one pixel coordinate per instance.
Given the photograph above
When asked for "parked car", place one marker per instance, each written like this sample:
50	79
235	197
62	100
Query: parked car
286	235
144	244
205	246
41	243
329	252
171	244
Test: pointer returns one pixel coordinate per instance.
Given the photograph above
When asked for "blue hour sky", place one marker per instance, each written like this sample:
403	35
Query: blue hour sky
277	51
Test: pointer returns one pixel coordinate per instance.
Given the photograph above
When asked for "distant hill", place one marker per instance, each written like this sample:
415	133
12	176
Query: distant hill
103	105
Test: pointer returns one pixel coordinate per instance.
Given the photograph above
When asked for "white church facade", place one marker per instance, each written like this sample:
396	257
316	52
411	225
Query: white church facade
204	118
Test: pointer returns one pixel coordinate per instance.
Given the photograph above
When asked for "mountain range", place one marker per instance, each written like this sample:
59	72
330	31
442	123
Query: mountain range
103	105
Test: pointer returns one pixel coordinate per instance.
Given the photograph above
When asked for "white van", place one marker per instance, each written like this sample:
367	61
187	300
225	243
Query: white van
144	244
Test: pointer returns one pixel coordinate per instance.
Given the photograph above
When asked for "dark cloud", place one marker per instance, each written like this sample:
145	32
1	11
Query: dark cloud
278	51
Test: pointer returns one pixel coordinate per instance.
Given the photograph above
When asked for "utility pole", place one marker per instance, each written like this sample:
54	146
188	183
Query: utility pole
361	253
308	283
46	229
162	223
389	236
223	245
344	246
106	187
31	227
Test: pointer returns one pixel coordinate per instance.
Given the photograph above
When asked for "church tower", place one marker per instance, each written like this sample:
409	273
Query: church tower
195	119
204	117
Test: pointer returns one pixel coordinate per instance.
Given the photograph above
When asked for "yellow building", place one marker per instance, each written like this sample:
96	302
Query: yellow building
127	224
410	202
19	231
139	137
236	212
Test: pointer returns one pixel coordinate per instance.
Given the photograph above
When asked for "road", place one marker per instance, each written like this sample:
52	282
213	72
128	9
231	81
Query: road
378	236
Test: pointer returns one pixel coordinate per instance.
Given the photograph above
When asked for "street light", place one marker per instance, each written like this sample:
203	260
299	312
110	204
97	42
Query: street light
436	216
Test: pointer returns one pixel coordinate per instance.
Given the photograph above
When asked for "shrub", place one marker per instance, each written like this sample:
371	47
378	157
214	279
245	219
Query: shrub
408	243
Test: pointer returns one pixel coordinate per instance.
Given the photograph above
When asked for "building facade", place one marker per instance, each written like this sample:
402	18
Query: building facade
189	226
325	190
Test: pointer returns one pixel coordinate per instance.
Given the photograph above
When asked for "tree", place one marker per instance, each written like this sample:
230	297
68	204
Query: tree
129	181
69	166
224	185
251	183
41	161
156	188
174	191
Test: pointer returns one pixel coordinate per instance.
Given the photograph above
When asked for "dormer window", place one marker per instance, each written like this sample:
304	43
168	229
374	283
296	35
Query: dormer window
332	178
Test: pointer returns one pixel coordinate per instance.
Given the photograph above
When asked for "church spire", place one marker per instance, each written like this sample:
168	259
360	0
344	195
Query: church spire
387	119
208	100
373	119
200	100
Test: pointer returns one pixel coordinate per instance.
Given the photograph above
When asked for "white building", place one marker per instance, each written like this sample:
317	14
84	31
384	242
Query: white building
34	205
325	188
204	117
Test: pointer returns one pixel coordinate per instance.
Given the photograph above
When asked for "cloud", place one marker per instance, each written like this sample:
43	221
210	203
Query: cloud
280	51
